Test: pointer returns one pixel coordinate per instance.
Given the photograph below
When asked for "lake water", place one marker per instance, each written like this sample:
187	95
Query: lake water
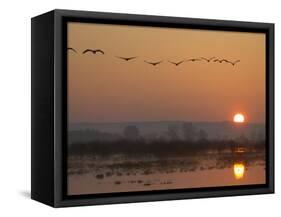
117	173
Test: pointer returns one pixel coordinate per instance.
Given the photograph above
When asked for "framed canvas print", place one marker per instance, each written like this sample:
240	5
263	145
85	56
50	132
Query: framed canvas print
129	108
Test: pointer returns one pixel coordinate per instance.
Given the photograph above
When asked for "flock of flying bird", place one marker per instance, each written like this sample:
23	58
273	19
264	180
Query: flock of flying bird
213	59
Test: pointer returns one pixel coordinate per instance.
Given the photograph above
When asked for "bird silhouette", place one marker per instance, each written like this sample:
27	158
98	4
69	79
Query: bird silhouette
233	63
207	59
72	49
93	51
153	63
176	63
226	61
126	58
223	60
193	60
220	60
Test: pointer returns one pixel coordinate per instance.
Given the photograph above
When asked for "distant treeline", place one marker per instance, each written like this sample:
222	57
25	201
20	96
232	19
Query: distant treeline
160	148
186	131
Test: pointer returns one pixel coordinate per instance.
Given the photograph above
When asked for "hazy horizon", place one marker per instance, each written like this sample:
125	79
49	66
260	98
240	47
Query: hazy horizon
166	121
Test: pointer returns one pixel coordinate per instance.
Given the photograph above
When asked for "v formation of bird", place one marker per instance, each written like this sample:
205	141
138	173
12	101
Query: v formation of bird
126	59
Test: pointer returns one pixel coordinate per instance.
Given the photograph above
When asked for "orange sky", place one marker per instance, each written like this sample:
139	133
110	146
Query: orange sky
102	88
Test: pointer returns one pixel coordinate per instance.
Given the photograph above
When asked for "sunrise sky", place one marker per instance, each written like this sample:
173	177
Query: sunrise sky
103	88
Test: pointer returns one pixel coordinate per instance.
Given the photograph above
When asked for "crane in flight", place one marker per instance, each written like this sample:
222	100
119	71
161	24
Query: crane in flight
227	61
154	63
72	49
207	59
93	51
126	58
193	60
233	63
220	60
176	63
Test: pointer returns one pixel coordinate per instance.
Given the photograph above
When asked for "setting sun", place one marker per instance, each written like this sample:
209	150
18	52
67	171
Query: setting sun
238	118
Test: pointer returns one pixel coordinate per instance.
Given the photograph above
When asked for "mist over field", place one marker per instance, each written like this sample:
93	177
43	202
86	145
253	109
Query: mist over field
165	130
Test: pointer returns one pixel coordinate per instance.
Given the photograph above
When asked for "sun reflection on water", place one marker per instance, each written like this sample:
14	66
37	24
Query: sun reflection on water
238	170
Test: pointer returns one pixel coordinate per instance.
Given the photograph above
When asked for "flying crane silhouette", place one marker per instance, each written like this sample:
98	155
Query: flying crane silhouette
233	63
72	49
226	61
126	58
220	60
176	63
154	63
93	51
208	59
193	60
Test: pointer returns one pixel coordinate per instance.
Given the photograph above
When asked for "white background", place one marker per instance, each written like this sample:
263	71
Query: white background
15	107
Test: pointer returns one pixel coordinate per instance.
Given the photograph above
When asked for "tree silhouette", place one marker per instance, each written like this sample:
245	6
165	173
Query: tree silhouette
202	135
242	139
188	131
173	132
131	132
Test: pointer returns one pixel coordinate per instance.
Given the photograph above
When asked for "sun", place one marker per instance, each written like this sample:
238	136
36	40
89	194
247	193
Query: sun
238	118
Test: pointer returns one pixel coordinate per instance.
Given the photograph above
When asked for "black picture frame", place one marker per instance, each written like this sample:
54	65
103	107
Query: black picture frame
49	116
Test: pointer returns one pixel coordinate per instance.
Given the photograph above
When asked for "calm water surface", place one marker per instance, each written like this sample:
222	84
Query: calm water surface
117	173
